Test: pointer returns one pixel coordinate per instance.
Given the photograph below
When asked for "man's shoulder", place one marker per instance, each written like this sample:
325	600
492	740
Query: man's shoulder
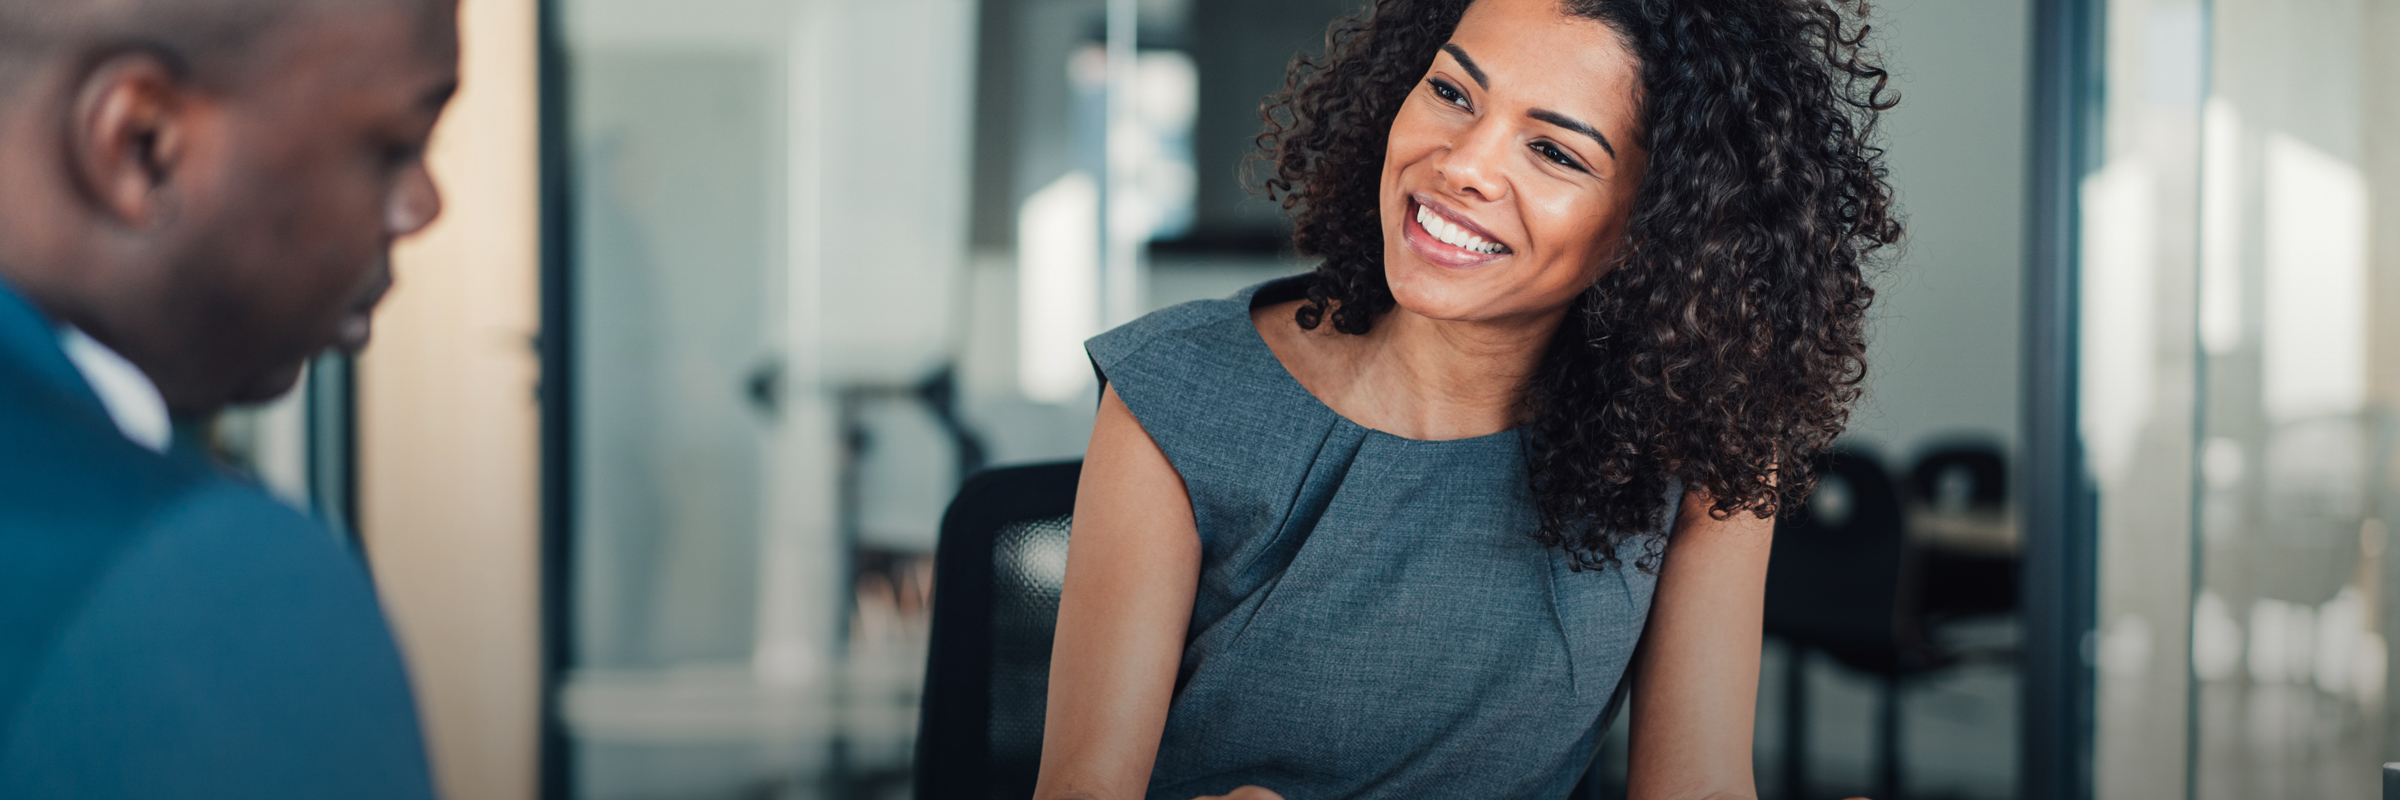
64	464
71	501
76	505
79	504
159	541
174	617
47	494
74	497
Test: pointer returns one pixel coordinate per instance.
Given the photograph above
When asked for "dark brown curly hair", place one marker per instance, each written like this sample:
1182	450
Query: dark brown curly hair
1726	345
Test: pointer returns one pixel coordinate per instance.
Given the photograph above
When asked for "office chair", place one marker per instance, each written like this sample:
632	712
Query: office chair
1981	464
1961	584
997	573
1836	585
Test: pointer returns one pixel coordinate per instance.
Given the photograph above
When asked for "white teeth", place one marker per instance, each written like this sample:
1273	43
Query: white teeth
1451	234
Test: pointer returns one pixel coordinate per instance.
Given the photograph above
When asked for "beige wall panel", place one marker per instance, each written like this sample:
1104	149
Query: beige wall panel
448	440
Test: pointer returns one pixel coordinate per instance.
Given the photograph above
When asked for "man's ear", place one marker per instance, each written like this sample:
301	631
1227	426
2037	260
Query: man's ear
128	134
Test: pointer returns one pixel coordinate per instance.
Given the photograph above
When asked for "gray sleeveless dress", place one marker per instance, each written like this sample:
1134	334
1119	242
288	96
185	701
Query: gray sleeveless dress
1374	618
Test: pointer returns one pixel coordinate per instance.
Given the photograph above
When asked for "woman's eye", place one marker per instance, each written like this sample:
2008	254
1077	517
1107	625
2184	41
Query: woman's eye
1448	93
1557	156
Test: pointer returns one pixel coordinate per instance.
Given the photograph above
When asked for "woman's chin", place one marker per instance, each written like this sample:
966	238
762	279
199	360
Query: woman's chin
1434	292
1503	291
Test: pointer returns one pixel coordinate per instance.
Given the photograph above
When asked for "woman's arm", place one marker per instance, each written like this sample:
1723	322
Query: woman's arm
1133	564
1695	676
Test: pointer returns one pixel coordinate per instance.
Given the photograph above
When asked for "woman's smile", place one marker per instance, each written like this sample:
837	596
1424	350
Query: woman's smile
1447	238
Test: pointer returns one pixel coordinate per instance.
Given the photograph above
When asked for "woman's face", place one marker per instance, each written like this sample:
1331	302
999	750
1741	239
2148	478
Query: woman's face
1512	165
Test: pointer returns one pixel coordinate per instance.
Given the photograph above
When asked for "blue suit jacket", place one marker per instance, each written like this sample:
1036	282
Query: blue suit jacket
168	632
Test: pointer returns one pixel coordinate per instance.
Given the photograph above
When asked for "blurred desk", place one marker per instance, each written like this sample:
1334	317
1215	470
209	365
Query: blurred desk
1966	563
1982	532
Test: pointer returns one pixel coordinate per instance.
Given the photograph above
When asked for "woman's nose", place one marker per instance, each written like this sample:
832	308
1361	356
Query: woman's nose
1474	166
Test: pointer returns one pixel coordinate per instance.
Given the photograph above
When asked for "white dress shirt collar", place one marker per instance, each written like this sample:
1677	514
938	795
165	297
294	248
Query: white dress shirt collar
131	399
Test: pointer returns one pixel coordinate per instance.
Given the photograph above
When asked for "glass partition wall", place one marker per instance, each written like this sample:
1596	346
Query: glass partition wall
2298	342
2135	378
2241	375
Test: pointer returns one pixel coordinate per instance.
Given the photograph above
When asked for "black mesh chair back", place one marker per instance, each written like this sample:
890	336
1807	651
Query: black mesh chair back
1833	579
1836	585
997	573
1959	584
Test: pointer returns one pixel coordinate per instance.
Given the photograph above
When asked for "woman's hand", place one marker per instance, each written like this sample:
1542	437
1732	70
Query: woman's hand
1244	793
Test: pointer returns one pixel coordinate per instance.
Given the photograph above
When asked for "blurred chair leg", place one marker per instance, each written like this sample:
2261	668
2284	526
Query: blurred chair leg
1887	740
1795	721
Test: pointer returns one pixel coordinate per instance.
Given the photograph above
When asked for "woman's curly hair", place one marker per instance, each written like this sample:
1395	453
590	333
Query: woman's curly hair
1726	345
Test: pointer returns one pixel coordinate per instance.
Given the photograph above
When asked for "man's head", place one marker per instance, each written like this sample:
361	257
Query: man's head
212	187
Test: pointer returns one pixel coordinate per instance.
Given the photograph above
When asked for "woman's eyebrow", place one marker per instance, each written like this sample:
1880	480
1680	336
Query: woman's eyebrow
1472	71
1573	124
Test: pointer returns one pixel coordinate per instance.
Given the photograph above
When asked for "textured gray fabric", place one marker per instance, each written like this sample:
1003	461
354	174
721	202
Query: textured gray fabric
1374	618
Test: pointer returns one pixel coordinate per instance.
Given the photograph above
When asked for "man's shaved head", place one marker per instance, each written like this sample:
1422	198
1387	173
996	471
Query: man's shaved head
212	187
209	38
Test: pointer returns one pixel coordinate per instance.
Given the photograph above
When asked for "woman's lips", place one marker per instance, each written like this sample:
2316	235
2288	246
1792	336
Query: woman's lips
1432	248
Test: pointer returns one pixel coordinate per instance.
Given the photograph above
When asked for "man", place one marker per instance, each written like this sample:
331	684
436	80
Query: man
195	197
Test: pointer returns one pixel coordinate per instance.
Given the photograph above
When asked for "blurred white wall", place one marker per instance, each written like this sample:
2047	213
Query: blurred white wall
1943	345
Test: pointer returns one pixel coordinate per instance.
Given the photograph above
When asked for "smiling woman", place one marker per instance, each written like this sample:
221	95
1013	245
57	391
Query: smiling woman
1735	278
1594	274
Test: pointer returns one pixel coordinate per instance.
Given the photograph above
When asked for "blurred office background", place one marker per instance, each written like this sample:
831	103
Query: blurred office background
652	448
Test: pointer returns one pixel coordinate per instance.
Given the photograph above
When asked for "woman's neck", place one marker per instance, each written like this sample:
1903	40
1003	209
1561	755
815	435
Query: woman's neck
1413	376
